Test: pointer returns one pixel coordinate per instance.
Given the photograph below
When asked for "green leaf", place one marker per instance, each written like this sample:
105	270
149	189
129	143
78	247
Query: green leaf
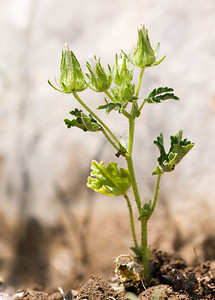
108	180
161	94
82	121
178	149
90	123
111	106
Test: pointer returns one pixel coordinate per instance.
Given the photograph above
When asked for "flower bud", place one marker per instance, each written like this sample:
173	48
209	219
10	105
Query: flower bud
120	71
72	78
124	93
143	55
99	81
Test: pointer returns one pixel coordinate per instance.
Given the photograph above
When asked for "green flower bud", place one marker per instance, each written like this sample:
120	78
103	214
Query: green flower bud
120	71
125	92
72	78
99	81
143	55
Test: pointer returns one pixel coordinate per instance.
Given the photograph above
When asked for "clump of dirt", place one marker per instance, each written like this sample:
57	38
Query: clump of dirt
97	288
162	292
37	295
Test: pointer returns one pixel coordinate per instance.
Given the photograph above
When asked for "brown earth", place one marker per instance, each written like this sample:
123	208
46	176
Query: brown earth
33	261
171	279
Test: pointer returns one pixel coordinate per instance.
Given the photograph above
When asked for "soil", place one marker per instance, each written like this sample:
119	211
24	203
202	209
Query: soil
171	279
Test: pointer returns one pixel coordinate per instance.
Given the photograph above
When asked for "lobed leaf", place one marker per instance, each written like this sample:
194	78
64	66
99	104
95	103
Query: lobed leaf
161	94
108	180
178	149
109	106
82	121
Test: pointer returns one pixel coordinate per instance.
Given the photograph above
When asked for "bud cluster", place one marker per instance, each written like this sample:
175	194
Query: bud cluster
73	80
124	89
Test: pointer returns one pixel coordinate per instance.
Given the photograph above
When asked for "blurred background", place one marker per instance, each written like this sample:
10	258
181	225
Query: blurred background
54	231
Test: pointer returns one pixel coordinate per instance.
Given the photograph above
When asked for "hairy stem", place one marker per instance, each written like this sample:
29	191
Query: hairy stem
141	106
131	219
144	247
129	160
156	195
139	82
131	136
97	118
144	222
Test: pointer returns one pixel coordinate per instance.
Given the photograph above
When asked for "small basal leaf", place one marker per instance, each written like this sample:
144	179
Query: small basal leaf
145	210
138	252
108	180
161	94
178	149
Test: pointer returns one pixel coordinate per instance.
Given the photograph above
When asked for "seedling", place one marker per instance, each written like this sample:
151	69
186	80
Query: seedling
121	95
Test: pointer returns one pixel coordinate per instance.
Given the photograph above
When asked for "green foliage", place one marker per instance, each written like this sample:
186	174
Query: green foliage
82	121
108	180
178	149
109	106
161	94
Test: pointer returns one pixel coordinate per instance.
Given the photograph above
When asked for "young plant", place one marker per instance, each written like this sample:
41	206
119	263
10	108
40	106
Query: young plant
121	95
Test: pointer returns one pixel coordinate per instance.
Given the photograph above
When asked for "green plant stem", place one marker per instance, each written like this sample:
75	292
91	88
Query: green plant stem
144	247
97	118
109	140
156	195
139	82
131	219
124	112
133	181
141	106
144	221
131	135
129	160
109	96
